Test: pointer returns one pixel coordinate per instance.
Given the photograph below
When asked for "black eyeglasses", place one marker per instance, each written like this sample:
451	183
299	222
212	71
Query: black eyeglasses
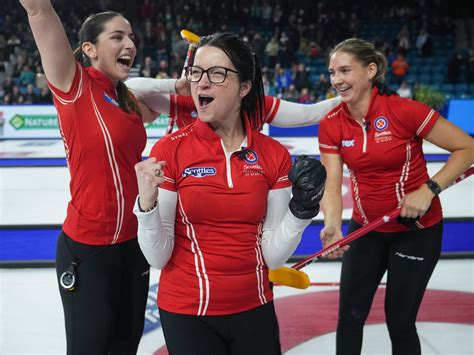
215	75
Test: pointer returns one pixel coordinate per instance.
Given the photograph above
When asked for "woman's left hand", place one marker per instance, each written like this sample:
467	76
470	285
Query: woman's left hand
416	203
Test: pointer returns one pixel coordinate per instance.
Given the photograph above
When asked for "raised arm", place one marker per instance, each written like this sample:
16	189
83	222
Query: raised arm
155	93
56	54
291	114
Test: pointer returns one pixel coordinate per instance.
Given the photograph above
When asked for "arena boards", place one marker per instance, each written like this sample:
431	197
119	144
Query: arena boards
34	189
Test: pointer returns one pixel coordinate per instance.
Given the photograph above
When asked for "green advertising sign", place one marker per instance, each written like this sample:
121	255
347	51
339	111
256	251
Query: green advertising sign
23	122
161	122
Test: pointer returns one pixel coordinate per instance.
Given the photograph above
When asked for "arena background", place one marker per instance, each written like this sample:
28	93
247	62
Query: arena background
291	38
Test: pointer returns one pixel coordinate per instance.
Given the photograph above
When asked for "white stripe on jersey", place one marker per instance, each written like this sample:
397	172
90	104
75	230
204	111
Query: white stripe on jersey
425	122
198	258
114	168
357	197
259	266
78	93
400	185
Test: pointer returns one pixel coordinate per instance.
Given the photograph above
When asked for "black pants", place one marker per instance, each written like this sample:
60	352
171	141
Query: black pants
253	332
105	312
409	259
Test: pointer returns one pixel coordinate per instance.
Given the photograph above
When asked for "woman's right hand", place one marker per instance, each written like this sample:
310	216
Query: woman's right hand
183	87
329	235
149	177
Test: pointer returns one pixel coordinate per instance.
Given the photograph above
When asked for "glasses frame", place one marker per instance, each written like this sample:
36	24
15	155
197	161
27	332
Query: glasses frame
226	71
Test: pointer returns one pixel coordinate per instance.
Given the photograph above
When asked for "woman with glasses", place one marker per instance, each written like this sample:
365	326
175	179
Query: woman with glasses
215	213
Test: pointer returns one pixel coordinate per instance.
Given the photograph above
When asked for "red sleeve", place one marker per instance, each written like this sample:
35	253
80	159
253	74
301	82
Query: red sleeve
417	117
77	87
162	150
182	109
283	167
271	108
329	136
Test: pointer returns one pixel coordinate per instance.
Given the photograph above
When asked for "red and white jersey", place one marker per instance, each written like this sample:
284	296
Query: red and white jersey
217	265
183	110
385	158
103	143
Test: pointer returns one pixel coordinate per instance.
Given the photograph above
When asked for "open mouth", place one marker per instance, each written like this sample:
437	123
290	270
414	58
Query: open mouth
205	100
343	89
125	61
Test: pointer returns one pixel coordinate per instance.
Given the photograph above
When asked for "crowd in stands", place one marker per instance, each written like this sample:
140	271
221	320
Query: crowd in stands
291	38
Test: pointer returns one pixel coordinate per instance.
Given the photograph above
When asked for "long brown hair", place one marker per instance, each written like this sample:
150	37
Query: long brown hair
90	30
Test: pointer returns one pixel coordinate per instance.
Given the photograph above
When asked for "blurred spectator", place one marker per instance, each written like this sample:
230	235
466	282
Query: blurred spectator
16	96
454	67
271	50
291	94
301	79
313	50
45	96
6	99
405	90
403	41
304	96
399	68
283	79
27	76
330	93
321	87
148	68
30	97
8	85
424	43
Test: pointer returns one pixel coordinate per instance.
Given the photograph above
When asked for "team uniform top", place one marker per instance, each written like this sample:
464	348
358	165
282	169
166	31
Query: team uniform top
217	265
183	110
103	143
385	158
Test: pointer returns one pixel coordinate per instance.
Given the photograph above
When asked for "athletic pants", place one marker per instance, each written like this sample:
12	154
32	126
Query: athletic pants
409	259
253	332
105	312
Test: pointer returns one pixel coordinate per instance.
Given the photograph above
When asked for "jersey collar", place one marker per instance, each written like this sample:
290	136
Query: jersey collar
104	82
373	105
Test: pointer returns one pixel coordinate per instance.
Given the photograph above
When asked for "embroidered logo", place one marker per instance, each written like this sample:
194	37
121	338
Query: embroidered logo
348	143
109	99
199	172
250	156
253	170
194	114
380	123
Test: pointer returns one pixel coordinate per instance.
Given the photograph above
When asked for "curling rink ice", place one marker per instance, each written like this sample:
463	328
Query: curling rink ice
31	320
34	193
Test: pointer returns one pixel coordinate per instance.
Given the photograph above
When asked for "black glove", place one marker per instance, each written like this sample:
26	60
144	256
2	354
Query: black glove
409	222
384	89
308	176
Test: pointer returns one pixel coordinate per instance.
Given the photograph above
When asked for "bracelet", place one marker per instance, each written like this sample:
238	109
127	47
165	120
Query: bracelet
148	209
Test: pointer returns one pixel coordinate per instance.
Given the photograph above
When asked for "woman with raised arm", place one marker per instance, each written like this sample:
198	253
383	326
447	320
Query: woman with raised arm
380	139
223	213
102	274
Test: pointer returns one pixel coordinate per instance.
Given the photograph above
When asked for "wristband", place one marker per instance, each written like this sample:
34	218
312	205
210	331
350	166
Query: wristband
434	187
148	209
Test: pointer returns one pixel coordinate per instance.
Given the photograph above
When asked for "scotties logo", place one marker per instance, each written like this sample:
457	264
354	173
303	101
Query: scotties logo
199	172
250	156
380	123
